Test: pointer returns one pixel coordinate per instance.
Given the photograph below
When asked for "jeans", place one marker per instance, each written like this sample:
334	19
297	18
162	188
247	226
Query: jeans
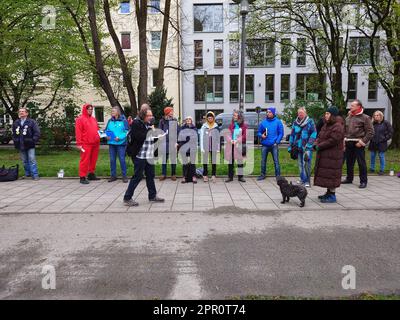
117	150
305	166
381	160
352	154
275	156
164	166
29	160
142	166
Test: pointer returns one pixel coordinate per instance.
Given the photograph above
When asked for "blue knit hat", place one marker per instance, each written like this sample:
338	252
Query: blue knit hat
272	109
333	110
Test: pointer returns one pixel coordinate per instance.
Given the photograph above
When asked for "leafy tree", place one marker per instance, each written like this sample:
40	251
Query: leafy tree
158	101
315	110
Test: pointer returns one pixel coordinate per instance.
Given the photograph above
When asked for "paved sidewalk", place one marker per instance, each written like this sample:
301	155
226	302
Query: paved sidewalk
68	196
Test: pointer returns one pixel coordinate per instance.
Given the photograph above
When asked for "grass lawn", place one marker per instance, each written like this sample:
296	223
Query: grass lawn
50	163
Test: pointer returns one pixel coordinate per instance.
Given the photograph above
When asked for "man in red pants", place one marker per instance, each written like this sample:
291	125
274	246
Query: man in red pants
88	142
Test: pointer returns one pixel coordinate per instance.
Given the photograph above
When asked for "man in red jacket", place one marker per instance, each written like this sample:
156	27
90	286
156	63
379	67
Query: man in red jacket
88	142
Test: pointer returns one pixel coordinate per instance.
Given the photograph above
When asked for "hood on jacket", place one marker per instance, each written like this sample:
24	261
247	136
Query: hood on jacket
84	109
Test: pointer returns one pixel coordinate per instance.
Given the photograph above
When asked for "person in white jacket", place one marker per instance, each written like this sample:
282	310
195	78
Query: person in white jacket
209	143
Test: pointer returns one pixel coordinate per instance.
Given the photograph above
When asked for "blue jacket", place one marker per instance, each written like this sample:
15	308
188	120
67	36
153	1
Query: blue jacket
169	125
120	128
25	136
275	131
303	135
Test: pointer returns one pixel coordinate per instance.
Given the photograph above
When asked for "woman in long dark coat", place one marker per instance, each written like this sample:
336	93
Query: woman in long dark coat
329	146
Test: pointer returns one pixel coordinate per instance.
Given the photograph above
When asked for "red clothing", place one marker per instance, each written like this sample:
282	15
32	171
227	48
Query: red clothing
88	159
86	129
87	136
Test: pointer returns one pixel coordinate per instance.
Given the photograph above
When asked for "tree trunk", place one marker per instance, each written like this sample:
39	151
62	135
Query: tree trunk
164	40
126	73
395	101
104	82
141	17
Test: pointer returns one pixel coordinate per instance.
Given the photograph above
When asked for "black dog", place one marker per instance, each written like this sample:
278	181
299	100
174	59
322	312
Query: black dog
289	190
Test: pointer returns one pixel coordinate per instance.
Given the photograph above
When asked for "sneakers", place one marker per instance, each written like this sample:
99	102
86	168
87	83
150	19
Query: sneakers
323	196
228	180
214	179
381	173
130	203
194	179
183	180
173	178
162	178
330	198
83	180
92	177
125	179
36	178
260	178
157	199
112	179
205	179
307	185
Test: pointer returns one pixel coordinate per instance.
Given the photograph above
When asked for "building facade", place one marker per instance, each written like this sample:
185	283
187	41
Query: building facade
274	75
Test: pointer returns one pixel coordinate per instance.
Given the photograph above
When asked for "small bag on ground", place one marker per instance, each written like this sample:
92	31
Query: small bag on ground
9	174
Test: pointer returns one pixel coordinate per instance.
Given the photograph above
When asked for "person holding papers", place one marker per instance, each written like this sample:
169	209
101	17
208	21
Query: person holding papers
141	148
116	131
88	143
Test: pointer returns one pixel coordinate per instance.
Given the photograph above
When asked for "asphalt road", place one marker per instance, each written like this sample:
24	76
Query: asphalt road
199	255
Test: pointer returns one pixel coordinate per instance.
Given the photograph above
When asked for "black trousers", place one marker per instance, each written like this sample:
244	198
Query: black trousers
231	165
213	161
352	155
142	166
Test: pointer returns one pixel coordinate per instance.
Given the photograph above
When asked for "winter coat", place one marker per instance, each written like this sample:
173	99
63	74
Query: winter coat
137	136
209	137
188	134
274	128
25	136
303	135
359	127
240	147
119	127
329	162
86	129
169	124
382	133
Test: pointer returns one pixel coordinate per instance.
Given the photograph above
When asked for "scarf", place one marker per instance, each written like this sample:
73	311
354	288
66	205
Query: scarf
302	123
357	112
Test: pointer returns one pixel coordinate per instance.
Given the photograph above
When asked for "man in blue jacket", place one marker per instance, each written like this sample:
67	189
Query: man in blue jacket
26	134
270	133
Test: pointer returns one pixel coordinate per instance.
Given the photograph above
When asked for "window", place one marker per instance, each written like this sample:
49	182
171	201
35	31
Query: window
286	52
99	114
125	7
234	88
260	53
269	88
208	18
249	96
285	87
198	53
155	77
215	88
360	51
155	40
372	87
234	53
309	87
301	52
126	40
154	6
234	14
218	53
352	86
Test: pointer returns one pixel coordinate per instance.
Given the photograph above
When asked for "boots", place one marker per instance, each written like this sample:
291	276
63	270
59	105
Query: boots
92	177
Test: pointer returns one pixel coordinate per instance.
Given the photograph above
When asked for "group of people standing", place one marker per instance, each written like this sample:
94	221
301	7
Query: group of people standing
334	140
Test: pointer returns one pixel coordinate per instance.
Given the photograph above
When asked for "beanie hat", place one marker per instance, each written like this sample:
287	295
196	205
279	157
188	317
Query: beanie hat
168	110
273	110
333	110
